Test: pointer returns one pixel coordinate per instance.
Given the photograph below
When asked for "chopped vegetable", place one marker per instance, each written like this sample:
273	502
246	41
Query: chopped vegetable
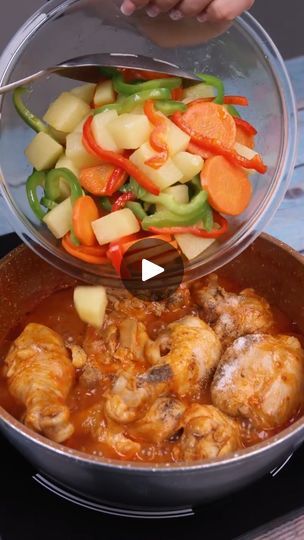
65	163
36	180
85	92
137	210
91	255
197	91
216	83
243	124
215	146
158	136
128	104
196	205
66	112
196	231
43	152
77	153
229	190
52	184
29	118
101	133
122	201
189	164
210	120
125	88
59	220
104	94
236	100
177	214
130	130
170	107
155	156
102	180
116	159
91	304
85	211
193	246
243	138
115	226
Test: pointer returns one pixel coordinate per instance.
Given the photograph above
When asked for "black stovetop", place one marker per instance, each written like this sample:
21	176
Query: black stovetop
28	511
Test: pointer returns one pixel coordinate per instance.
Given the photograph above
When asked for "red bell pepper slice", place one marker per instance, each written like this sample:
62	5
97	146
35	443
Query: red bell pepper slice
122	200
246	126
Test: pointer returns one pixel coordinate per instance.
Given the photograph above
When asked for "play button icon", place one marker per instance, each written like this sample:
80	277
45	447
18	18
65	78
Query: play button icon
152	269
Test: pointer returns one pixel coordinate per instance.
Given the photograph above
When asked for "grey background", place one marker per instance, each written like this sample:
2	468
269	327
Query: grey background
284	20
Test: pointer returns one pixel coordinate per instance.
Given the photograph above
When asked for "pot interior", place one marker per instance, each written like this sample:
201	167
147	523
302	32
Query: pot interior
270	267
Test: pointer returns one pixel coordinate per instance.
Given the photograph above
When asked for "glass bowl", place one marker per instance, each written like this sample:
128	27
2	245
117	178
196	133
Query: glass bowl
243	56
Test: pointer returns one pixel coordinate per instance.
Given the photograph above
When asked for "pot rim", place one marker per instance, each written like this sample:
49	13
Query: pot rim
133	467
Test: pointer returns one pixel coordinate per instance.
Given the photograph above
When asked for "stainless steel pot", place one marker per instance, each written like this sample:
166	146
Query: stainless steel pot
275	271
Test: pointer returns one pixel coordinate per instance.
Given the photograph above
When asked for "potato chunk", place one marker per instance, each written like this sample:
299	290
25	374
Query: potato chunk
76	152
59	219
66	112
130	130
65	163
165	176
115	226
104	94
189	164
177	139
192	246
43	152
100	129
180	193
85	92
198	91
91	304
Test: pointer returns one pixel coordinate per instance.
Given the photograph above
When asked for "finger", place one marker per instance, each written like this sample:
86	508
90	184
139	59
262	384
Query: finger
165	5
221	10
129	6
189	8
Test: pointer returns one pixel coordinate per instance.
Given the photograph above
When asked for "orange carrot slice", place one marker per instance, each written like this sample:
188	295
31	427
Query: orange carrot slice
91	255
211	120
84	212
95	180
228	187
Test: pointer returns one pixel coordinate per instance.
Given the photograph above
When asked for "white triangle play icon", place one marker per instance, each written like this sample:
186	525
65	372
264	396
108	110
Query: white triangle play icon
149	270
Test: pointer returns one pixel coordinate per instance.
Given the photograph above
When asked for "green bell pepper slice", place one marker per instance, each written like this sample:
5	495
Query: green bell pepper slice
233	111
126	88
37	179
166	218
47	203
52	187
170	107
216	83
196	205
29	118
105	204
137	210
127	104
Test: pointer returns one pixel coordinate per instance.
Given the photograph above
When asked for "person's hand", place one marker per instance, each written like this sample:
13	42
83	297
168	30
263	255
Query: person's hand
204	10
